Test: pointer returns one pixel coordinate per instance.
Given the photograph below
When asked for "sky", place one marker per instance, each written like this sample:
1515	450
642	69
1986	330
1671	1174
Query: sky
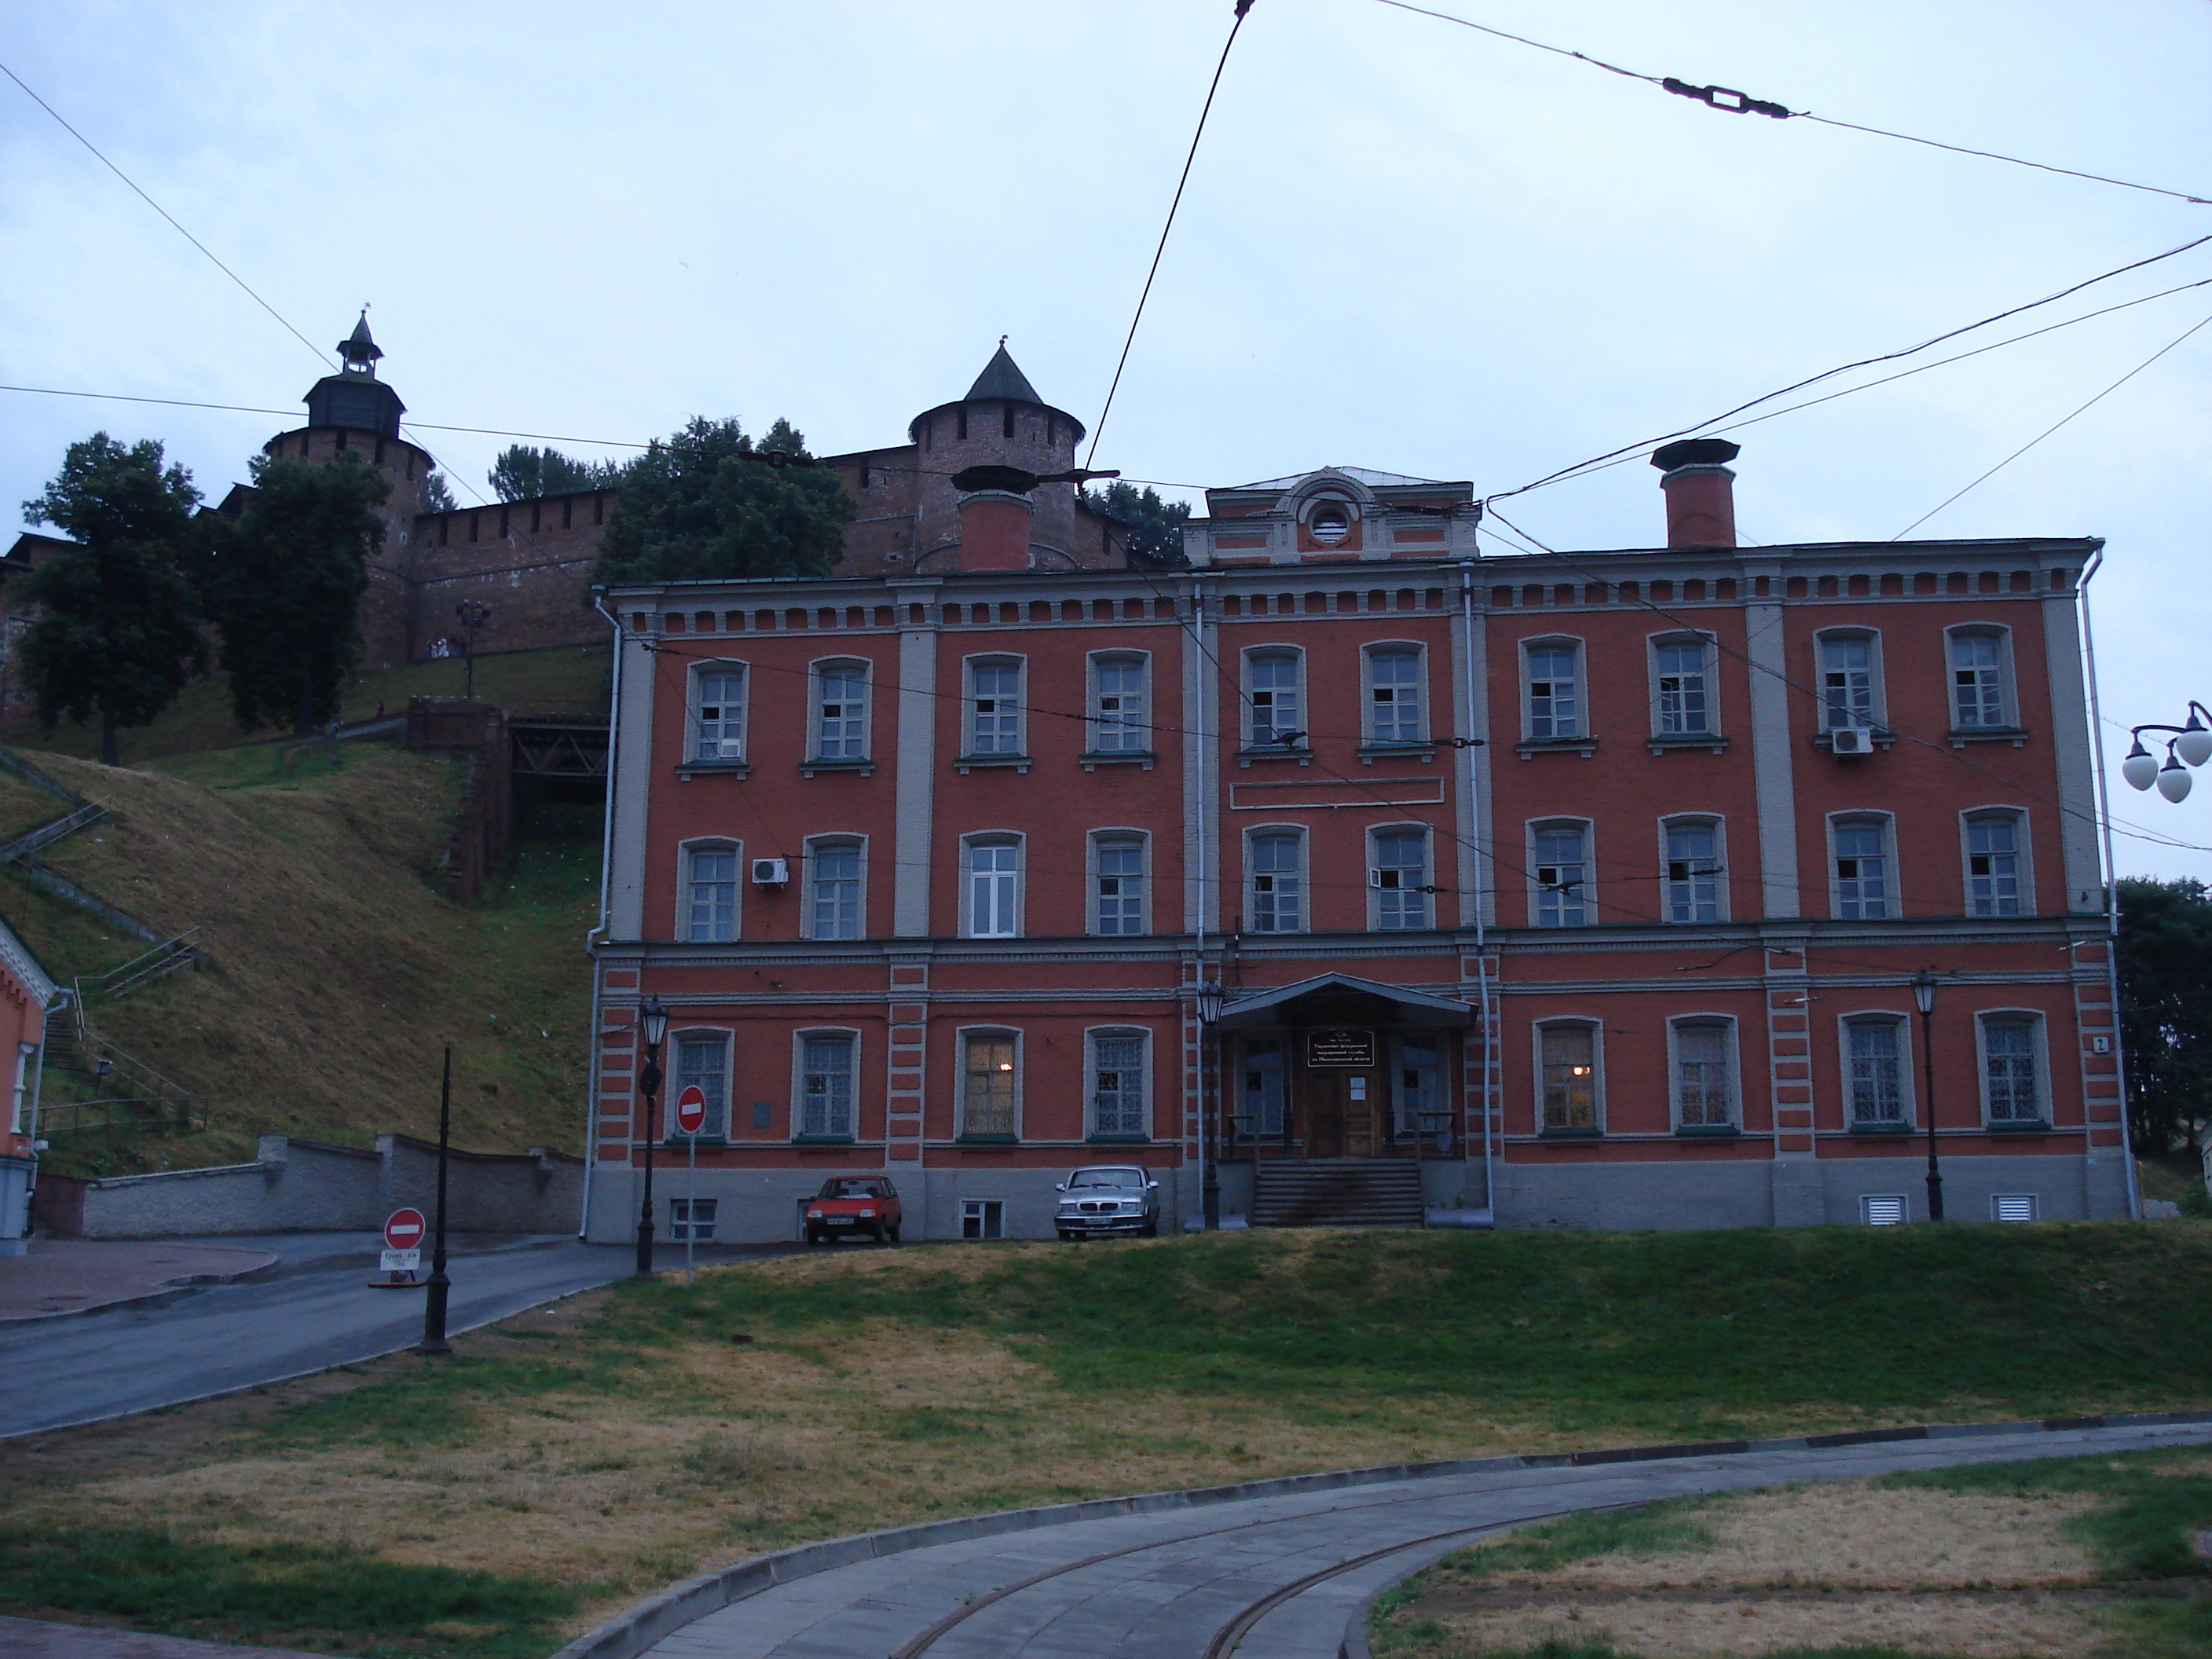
1405	245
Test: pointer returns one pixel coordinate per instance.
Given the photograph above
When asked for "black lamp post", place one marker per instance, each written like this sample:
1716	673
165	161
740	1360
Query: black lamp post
1924	997
474	614
1209	1010
434	1299
653	1021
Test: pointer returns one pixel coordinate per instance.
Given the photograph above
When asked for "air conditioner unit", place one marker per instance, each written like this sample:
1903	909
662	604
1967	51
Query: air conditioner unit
771	872
1851	740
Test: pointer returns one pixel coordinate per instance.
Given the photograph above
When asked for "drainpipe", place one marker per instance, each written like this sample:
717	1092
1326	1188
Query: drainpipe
2112	888
1209	1176
592	939
1482	957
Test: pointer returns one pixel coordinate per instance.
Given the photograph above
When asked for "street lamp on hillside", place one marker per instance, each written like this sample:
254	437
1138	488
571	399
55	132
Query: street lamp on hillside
1923	998
653	1025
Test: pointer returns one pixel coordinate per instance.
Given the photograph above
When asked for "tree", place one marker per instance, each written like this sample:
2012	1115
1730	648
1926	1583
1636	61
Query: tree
2166	1010
282	581
524	471
709	503
436	497
115	634
1154	525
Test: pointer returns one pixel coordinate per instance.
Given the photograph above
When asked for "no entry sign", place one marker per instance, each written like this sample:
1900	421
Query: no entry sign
691	1109
404	1230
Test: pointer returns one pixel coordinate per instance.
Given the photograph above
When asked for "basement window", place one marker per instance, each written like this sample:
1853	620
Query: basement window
982	1218
691	1218
2013	1207
1883	1209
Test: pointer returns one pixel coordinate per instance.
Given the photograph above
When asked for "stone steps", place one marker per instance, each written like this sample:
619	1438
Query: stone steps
1349	1192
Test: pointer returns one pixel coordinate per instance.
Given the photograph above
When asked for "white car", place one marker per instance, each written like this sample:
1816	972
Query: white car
1102	1199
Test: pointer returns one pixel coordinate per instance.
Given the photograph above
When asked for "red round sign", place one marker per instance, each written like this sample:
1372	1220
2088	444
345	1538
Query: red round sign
691	1109
404	1230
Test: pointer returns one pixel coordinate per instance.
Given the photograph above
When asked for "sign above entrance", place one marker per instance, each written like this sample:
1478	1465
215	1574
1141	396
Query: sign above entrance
1337	1047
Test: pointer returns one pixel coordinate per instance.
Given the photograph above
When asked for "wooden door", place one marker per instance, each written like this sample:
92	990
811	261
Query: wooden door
1360	1116
1324	1114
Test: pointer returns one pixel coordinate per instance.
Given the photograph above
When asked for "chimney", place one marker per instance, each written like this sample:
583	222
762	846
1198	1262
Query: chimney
1700	496
994	531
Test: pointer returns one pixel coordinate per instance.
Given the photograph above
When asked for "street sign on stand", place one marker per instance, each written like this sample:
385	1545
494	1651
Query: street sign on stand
402	1256
690	1118
404	1230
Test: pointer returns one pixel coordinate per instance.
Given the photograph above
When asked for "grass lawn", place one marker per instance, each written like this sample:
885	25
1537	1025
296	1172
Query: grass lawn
606	1447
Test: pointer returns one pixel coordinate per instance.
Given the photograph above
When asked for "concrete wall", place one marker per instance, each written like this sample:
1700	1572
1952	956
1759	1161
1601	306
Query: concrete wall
304	1186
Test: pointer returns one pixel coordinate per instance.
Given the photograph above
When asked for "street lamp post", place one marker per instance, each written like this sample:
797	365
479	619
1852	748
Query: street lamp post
434	1299
1209	1010
473	614
1924	997
653	1020
2190	745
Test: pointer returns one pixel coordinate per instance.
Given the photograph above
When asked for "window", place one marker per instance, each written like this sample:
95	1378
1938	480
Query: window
1261	1094
1117	1083
1118	885
833	889
1693	871
1862	869
717	727
826	1064
1271	688
1705	1083
710	892
1977	680
702	1062
994	889
1420	1101
982	1218
1561	871
1398	876
1993	859
841	711
995	707
1884	1209
1847	681
1568	1058
986	1088
1278	888
2009	1063
1117	706
1393	695
1874	1059
1554	691
2013	1207
1331	522
691	1219
25	1053
1684	702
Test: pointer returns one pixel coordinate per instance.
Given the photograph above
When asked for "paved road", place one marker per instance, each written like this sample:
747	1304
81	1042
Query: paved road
314	1311
1187	1584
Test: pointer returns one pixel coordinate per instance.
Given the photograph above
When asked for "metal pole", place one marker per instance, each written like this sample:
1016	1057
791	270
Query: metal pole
1928	1083
691	1211
433	1304
648	1081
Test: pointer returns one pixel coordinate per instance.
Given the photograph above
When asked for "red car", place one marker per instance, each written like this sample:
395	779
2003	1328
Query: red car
853	1206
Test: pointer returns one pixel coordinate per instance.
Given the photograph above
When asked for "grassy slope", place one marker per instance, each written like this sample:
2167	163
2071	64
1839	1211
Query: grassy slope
337	972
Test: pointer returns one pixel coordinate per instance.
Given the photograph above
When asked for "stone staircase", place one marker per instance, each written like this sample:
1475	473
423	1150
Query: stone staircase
1338	1192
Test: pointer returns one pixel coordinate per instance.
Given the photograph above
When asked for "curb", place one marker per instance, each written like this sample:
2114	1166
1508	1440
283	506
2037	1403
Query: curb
169	1290
629	1634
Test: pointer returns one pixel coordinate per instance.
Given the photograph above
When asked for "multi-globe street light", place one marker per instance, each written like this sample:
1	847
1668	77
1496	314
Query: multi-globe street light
2191	746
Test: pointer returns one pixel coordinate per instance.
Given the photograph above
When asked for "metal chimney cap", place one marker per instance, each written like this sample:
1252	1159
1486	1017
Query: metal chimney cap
1696	452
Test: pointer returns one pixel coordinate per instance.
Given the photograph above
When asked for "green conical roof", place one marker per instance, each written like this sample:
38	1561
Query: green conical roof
1000	379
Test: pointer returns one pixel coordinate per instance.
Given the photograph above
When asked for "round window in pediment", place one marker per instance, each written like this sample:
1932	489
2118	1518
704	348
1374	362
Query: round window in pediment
1330	524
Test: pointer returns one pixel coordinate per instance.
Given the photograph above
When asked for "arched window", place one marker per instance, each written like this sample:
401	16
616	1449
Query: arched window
1997	864
835	894
841	711
1397	876
702	1062
994	706
1865	888
1877	1081
1276	862
708	910
1569	1087
1394	712
1693	881
1703	1050
990	1084
1850	678
1552	689
1119	1088
992	895
2012	1069
1682	701
1559	866
718	711
825	1085
1119	722
1981	680
1274	696
1118	885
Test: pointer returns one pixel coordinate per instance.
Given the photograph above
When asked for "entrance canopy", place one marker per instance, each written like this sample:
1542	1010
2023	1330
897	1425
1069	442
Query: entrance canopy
1339	999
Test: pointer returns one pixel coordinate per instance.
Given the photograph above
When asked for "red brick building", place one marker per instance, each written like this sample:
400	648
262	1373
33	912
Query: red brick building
1580	890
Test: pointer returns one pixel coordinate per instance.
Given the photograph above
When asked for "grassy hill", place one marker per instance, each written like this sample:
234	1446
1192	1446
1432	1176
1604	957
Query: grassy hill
337	972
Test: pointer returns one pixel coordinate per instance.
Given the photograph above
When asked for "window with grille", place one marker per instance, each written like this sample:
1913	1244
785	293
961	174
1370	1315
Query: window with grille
995	709
2014	1207
1570	1080
1976	680
2008	1049
1883	1209
1393	695
702	1062
1704	1093
691	1218
1278	900
718	729
1554	693
986	1093
1260	1090
1874	1055
1400	870
1562	885
1862	870
710	895
1993	865
1694	871
1684	699
825	1085
1117	711
834	898
841	712
1117	1083
993	890
1275	697
1847	688
1119	883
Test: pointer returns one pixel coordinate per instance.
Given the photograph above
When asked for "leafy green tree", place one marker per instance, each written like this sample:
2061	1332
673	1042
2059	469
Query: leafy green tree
115	634
1154	525
711	504
523	471
2166	1010
436	497
282	581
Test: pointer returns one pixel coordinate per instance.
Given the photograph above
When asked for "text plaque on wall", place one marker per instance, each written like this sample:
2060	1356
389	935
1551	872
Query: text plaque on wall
1338	1046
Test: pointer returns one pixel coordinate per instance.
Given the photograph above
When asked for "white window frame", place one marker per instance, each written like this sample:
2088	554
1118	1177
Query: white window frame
1095	844
2038	1053
1425	871
1370	687
1302	838
961	1038
1717	875
1708	673
1886	826
695	701
1098	725
969	844
1092	1037
1301	720
798	1041
1731	1066
2025	868
810	873
1580	677
2008	704
1538	893
1907	1090
1596	1029
971	715
1877	711
717	1126
685	852
19	1095
818	673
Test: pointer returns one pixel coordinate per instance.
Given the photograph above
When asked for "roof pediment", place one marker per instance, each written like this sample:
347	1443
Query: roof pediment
1282	1004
